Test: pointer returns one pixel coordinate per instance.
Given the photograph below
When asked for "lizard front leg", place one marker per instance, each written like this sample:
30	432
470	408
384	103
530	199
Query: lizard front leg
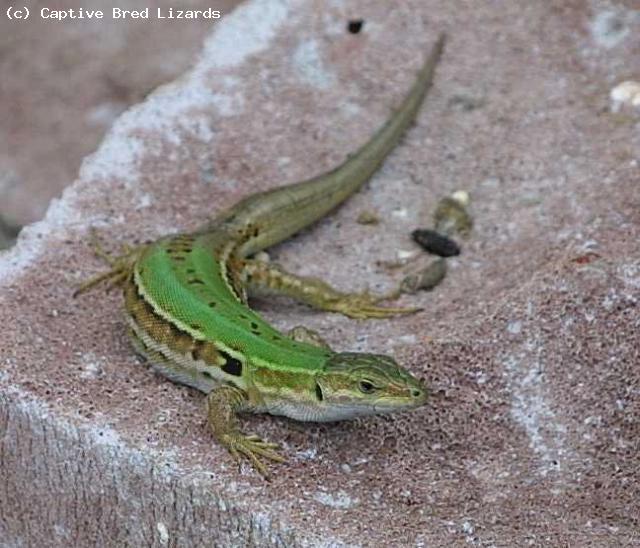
223	403
268	278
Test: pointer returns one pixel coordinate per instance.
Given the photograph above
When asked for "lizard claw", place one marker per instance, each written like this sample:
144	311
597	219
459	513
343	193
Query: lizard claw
120	265
252	447
300	333
364	305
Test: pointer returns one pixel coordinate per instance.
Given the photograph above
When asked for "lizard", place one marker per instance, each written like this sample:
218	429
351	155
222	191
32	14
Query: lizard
186	301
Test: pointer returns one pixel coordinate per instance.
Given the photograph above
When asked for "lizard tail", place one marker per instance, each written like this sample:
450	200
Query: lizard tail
276	214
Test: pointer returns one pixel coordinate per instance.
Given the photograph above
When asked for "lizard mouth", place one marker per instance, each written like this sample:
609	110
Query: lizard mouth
417	399
391	407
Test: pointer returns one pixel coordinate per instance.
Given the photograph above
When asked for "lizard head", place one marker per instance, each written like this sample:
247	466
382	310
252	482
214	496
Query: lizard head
355	384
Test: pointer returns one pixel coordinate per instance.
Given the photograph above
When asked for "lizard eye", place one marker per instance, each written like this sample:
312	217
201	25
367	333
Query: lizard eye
366	387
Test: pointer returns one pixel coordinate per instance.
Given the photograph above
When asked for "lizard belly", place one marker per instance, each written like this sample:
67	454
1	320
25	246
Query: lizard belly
309	412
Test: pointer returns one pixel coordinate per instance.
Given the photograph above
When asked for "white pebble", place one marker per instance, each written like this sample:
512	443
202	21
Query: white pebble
462	197
625	93
404	254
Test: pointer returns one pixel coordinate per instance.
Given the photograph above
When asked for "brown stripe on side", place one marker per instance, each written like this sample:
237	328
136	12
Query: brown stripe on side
207	352
164	332
150	354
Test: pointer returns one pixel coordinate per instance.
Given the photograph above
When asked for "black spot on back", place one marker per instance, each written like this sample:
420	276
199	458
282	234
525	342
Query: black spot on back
319	394
231	366
178	249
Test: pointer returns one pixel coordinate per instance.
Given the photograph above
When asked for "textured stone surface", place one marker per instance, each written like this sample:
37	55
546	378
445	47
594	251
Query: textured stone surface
531	345
66	81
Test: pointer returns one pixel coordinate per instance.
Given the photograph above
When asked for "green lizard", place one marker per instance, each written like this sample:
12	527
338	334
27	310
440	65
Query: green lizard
186	302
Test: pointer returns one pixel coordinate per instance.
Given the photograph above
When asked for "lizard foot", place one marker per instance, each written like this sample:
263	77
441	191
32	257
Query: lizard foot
120	266
251	447
303	334
364	305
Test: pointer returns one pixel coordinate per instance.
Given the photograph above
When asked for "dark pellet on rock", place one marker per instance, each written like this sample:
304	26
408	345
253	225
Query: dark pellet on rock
435	243
355	26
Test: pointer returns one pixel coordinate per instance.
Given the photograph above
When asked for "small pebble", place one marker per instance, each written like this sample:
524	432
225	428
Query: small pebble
368	218
262	256
405	254
451	215
425	279
625	94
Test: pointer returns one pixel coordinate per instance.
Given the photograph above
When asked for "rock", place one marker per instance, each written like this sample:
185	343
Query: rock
531	435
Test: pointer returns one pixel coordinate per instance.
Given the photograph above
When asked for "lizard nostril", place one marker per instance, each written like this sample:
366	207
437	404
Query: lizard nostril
416	393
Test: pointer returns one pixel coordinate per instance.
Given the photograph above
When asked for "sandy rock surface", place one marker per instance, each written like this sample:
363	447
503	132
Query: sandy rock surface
531	345
67	79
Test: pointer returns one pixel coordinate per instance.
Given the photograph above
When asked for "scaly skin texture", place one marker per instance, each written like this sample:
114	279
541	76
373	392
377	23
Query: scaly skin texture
186	303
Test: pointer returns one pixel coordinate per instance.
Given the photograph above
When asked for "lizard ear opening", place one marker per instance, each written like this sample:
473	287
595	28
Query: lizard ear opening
319	394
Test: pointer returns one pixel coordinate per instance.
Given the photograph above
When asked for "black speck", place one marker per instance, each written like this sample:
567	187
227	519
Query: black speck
207	374
212	304
195	281
254	325
319	394
354	26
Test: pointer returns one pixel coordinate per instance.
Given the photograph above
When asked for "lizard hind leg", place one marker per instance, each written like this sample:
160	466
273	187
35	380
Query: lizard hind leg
268	278
120	270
